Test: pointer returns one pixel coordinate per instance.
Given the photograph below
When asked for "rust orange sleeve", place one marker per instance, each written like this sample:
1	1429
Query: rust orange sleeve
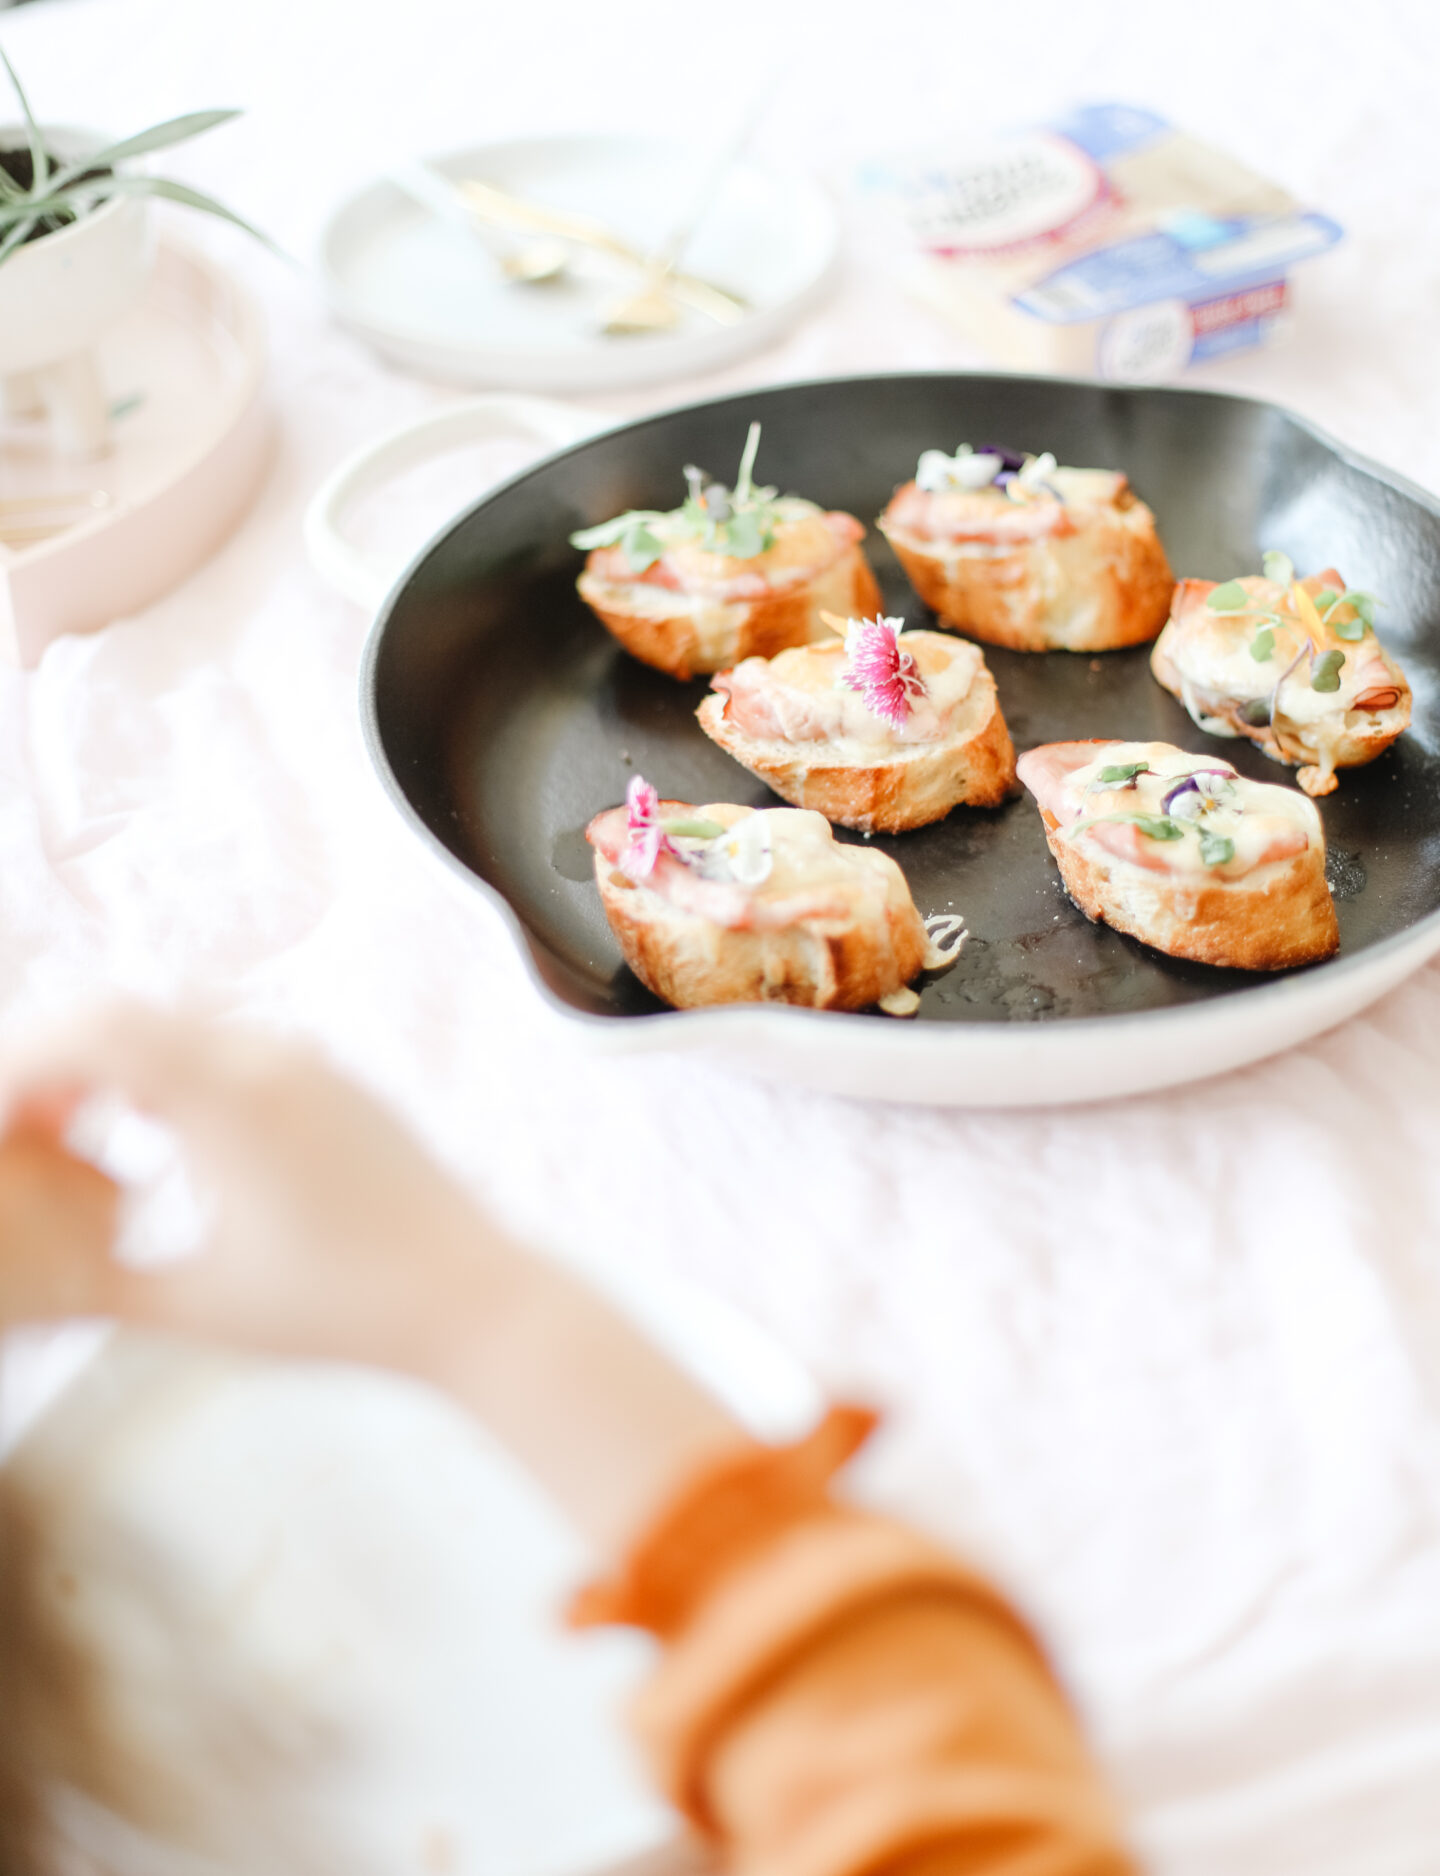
840	1697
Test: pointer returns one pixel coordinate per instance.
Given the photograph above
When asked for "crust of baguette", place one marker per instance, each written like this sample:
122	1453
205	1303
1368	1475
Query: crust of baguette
910	787
1272	919
687	645
820	963
1103	587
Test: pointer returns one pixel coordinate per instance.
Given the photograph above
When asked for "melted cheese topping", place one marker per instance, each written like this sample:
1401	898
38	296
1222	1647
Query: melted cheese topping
802	543
1212	657
1256	817
812	880
800	696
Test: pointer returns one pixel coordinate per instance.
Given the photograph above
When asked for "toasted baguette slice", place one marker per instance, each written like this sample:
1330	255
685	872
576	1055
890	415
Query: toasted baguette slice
1077	569
695	612
1163	875
829	927
792	721
1206	658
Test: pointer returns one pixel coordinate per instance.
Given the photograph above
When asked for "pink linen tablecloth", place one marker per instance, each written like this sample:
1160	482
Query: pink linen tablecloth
1170	1366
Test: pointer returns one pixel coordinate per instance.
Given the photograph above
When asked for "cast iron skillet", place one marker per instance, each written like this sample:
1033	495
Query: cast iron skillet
503	716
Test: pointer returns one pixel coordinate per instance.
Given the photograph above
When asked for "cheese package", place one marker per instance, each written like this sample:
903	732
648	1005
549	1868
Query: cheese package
1107	244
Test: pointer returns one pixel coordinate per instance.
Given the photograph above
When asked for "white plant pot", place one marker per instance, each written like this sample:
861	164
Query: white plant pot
59	295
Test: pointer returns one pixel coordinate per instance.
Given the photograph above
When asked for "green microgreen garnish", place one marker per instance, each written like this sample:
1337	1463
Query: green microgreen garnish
696	829
1277	567
1262	646
1158	826
1361	604
630	532
1364	604
1122	772
1216	849
1326	674
1256	712
739	523
1231	597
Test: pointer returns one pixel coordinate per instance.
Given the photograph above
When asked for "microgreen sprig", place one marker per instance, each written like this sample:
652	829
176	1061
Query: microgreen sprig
63	192
738	522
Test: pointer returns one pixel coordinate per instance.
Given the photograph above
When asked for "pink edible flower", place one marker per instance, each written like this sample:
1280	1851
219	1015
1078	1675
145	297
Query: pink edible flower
648	839
884	674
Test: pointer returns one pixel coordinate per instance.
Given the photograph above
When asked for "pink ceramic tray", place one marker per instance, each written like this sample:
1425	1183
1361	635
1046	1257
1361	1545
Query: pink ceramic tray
191	443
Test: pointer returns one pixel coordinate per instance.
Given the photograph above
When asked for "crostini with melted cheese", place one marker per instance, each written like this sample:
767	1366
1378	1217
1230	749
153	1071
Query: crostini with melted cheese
730	574
885	731
724	904
1185	854
1294	665
1017	551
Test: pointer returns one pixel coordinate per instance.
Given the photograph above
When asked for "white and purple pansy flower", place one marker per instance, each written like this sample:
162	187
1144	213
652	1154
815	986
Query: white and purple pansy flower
1190	797
990	466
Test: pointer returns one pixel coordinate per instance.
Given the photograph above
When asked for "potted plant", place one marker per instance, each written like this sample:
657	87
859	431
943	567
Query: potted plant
75	253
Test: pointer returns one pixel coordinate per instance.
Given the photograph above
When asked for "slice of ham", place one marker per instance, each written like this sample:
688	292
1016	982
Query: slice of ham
1190	597
723	579
1127	842
735	907
980	515
1045	771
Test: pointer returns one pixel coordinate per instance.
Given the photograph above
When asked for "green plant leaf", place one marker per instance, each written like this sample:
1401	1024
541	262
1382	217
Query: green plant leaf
1351	629
1122	772
175	192
18	234
1216	849
1326	674
1256	712
1262	646
1231	597
39	155
1277	567
1325	599
158	137
1158	826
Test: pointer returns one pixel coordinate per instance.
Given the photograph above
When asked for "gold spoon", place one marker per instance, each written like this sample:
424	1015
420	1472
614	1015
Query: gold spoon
512	212
534	263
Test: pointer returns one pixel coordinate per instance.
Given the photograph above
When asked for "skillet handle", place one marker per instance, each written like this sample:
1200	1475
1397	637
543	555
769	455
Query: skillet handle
367	579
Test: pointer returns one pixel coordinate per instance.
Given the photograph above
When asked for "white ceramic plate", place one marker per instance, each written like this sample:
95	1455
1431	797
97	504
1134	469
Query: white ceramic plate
429	296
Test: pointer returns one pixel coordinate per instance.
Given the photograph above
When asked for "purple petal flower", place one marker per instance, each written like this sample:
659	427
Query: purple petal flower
1011	459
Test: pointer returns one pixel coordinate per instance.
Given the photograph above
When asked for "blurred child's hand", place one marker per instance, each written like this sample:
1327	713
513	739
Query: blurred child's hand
57	1222
328	1225
331	1234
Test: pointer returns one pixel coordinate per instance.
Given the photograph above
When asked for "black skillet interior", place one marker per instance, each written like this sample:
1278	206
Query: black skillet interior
506	716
